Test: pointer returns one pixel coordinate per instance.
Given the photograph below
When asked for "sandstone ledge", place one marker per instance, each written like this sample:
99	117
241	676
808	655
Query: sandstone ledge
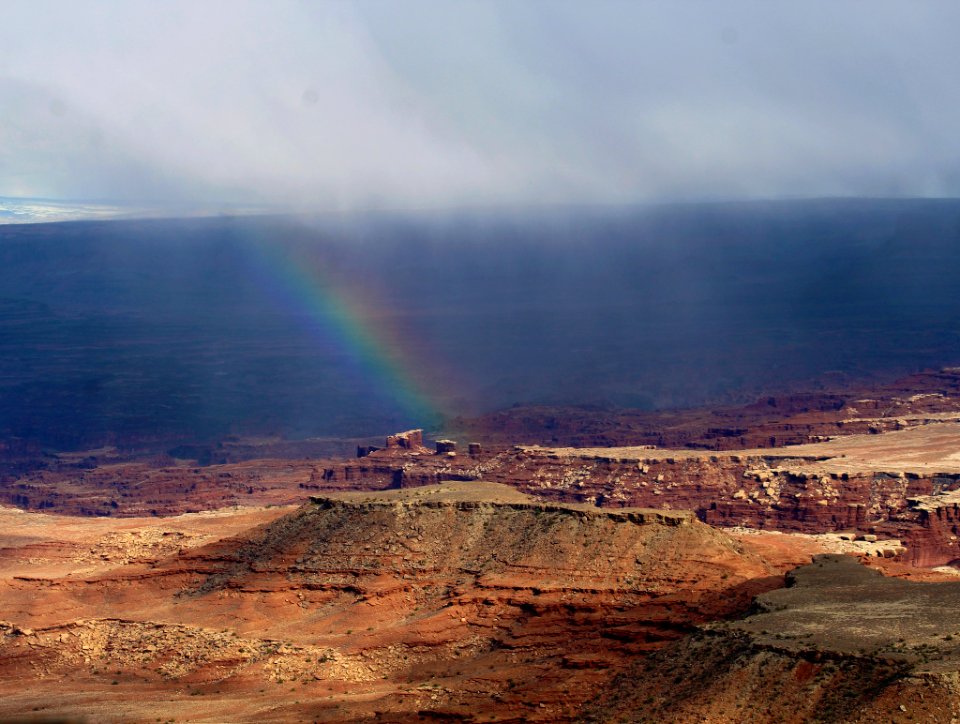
476	495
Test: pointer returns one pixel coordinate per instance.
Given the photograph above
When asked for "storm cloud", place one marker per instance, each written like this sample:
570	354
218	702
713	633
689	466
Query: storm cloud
432	104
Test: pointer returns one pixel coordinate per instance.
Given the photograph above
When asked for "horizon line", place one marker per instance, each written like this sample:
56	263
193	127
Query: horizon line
106	210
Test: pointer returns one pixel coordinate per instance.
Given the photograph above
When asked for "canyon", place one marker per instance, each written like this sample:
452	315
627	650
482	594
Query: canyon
461	577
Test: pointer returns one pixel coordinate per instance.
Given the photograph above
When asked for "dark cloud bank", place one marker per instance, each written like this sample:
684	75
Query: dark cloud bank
437	104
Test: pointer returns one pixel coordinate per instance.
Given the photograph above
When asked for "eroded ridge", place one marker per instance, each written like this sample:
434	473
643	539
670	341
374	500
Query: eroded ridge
840	643
469	600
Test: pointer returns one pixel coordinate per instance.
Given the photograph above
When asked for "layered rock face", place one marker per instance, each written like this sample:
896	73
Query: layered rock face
936	539
898	486
141	489
468	601
841	643
894	479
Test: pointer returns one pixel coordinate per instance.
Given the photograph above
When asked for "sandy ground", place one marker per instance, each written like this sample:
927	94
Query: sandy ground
933	447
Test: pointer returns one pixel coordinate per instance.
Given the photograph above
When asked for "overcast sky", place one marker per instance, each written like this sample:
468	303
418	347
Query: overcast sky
431	104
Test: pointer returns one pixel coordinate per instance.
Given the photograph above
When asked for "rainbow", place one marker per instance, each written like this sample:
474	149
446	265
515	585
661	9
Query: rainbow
355	324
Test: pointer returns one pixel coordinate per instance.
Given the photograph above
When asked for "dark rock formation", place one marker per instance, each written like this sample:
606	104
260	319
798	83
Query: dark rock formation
446	446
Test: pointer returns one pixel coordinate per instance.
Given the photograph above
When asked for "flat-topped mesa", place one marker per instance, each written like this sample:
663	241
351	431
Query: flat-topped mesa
452	531
492	496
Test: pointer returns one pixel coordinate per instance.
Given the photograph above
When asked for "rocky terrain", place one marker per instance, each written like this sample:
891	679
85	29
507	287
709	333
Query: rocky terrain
899	486
464	579
466	600
883	467
840	643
